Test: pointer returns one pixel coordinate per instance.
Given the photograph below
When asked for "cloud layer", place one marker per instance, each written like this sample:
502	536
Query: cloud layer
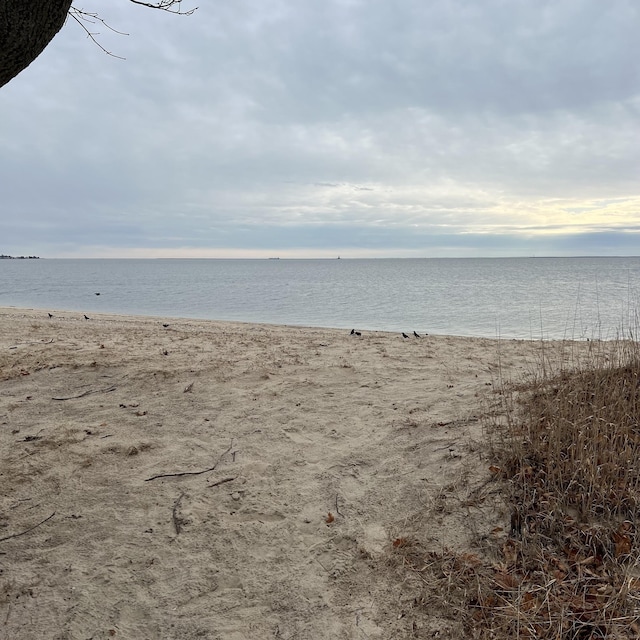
309	129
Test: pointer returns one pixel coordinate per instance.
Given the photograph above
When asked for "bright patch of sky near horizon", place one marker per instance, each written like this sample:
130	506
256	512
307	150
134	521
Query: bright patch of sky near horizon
305	129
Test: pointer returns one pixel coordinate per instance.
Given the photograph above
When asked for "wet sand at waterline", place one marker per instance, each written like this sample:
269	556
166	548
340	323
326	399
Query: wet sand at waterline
225	480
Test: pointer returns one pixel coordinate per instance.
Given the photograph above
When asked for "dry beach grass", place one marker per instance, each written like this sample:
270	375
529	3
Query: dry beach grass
221	480
566	441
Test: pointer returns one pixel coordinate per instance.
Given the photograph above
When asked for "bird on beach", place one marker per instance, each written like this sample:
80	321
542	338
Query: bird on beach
416	334
97	293
51	315
358	333
165	325
353	331
86	317
404	335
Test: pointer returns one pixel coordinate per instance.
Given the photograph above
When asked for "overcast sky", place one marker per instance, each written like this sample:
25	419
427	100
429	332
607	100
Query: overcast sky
306	128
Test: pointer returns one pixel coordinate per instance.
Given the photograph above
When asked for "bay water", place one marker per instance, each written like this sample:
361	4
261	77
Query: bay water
578	298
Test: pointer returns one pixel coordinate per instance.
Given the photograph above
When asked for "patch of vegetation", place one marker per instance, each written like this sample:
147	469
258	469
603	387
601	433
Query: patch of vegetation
566	452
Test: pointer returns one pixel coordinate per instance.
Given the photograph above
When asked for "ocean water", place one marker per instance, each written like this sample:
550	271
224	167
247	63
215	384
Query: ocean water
491	297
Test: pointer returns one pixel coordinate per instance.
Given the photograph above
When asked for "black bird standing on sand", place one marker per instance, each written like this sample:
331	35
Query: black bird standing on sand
86	317
51	315
165	325
353	331
358	333
404	335
415	334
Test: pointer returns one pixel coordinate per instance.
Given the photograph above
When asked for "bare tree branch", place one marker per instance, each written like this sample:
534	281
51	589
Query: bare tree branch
28	26
81	16
172	6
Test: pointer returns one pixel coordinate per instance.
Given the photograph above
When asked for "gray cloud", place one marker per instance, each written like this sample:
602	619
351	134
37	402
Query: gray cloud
450	126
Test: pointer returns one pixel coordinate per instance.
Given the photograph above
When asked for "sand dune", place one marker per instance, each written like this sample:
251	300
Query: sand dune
219	480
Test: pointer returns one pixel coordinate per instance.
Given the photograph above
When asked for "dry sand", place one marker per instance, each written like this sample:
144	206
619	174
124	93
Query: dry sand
273	428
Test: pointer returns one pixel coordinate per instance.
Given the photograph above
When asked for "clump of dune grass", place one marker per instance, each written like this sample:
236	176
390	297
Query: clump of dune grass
566	456
569	451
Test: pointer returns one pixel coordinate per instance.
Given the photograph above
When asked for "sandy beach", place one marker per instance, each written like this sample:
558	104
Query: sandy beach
230	481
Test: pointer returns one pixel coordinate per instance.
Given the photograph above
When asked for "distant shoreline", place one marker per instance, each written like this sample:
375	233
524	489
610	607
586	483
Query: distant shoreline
3	257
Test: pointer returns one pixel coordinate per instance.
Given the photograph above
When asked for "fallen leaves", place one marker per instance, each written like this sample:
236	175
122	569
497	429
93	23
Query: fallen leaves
622	540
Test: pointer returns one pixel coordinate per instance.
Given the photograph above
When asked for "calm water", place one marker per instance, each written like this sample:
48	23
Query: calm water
508	297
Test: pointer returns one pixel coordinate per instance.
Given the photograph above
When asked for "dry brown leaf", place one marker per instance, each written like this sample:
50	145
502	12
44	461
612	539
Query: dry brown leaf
510	552
469	560
506	580
330	518
622	544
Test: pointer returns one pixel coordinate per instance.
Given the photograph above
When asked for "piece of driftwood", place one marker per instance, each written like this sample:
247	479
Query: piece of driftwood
16	535
87	393
191	473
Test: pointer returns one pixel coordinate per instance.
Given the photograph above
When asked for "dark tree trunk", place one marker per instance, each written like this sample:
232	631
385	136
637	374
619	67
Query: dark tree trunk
26	28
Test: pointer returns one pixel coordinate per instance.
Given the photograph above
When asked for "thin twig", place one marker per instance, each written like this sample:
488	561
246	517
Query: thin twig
215	484
337	509
81	16
448	446
177	521
166	5
32	342
86	393
15	535
191	473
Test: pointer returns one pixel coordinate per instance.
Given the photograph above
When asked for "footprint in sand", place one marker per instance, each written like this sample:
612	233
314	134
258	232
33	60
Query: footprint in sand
295	436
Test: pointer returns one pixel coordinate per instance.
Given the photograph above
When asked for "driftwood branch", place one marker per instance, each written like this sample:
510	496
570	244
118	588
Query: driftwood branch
191	473
86	393
16	535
